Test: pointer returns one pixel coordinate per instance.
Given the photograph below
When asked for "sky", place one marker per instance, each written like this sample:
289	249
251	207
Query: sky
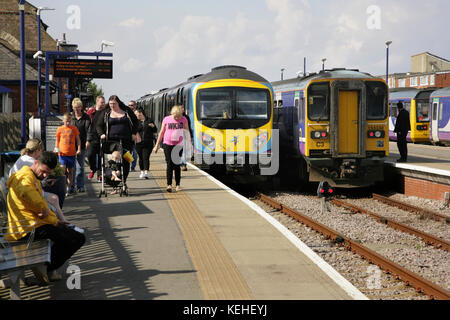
160	44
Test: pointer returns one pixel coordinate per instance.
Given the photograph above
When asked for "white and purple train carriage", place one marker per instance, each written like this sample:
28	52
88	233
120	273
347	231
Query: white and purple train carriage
440	117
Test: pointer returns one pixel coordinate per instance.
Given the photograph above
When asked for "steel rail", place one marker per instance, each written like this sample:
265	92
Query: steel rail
429	239
436	216
410	278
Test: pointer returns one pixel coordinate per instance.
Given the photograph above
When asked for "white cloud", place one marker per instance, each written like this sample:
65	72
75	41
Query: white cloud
133	65
131	23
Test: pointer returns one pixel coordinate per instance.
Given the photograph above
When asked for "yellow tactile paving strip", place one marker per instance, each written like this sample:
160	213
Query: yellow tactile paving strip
218	276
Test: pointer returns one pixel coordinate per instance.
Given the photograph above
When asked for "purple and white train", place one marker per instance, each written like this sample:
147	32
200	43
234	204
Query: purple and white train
440	117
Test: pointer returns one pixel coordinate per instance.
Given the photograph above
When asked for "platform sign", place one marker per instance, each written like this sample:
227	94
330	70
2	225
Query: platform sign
82	68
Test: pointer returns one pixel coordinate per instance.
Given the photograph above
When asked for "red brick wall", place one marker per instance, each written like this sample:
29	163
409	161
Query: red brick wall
425	189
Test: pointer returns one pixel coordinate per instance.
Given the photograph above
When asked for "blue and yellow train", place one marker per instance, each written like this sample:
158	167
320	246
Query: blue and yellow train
231	117
333	126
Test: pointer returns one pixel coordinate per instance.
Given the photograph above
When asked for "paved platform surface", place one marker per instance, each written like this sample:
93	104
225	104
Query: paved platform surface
198	244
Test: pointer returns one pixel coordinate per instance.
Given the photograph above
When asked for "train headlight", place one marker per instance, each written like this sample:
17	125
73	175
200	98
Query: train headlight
375	134
260	140
319	134
208	141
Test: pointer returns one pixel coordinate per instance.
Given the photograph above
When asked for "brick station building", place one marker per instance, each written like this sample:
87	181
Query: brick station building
10	97
427	71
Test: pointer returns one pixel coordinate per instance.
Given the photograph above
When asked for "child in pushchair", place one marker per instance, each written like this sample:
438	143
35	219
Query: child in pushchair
113	171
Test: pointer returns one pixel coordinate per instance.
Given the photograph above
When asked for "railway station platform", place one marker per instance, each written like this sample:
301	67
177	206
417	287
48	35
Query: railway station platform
426	174
202	243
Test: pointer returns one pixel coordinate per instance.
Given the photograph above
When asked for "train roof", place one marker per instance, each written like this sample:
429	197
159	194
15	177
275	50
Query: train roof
337	73
409	93
228	72
443	92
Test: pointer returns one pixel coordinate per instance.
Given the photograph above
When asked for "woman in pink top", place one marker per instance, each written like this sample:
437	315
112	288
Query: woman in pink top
172	129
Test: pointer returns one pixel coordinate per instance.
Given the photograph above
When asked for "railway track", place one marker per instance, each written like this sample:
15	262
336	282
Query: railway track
407	207
409	277
428	238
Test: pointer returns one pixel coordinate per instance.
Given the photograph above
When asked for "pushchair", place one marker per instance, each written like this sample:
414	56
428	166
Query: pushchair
108	147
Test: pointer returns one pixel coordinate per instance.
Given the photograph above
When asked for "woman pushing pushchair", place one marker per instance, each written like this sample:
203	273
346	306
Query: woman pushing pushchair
117	127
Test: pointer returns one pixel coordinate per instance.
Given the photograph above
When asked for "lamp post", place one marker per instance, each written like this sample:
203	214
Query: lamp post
23	83
106	44
282	70
387	60
323	63
38	15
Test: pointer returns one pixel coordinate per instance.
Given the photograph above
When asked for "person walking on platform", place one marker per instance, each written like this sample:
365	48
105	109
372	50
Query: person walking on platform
186	147
93	139
83	122
132	106
27	205
144	148
402	126
172	130
68	146
118	123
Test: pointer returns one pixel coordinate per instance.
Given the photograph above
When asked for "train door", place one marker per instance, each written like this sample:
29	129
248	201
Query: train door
348	122
434	120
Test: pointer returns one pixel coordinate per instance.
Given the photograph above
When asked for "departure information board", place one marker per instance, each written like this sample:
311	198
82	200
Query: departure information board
83	68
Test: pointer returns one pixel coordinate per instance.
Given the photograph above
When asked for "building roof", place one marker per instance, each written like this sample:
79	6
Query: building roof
433	55
10	66
10	28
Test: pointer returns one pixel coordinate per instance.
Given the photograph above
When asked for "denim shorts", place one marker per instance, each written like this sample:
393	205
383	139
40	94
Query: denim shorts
67	161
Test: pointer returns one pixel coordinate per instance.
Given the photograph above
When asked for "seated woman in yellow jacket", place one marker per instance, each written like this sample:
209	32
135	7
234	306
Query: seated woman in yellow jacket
26	202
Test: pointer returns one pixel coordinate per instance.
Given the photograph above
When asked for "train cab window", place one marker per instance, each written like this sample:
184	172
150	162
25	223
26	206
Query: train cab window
251	104
376	101
318	101
422	114
215	104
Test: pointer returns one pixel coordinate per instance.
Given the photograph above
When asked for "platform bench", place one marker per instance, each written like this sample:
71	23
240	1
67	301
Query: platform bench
17	258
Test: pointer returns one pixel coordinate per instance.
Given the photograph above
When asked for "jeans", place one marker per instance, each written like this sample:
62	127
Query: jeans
66	242
78	179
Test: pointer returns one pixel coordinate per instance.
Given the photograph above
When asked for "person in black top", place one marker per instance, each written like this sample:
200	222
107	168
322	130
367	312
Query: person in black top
185	153
146	129
83	122
118	123
402	126
93	139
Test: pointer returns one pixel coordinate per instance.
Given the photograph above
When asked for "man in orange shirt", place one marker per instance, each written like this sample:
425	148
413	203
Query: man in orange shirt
66	135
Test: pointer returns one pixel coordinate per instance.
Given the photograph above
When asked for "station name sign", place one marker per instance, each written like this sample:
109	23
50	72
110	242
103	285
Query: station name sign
82	68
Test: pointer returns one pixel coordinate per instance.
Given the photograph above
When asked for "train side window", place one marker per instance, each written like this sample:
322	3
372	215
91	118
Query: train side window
440	111
394	111
407	106
435	107
280	103
296	103
376	101
301	110
318	101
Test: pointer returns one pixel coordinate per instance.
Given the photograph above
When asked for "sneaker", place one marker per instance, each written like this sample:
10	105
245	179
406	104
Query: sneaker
178	188
81	190
401	160
141	176
169	188
183	168
54	276
91	175
145	175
